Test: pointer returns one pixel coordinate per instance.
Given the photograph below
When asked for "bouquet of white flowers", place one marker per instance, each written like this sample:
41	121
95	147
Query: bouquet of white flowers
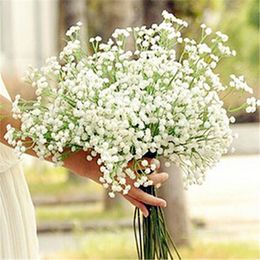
160	99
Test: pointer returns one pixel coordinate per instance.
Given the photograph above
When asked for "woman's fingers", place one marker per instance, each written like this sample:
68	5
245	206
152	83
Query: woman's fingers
158	178
138	204
146	198
139	198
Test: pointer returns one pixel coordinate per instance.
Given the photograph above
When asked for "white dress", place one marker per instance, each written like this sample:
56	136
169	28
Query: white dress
18	236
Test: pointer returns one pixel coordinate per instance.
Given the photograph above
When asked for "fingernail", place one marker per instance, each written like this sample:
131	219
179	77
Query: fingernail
146	214
163	204
167	176
158	185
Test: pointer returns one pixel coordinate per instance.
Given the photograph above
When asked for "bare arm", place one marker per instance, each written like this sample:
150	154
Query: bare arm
78	164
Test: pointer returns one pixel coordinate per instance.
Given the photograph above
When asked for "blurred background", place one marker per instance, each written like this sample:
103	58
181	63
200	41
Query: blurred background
221	218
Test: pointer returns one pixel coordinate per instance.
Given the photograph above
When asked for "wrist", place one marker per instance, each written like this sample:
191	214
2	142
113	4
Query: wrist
78	164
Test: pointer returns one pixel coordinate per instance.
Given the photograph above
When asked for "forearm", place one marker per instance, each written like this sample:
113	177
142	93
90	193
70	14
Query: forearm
76	162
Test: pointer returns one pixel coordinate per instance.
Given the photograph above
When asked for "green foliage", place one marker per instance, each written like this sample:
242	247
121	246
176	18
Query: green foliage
244	38
194	9
55	181
79	213
254	14
99	246
105	245
239	19
222	250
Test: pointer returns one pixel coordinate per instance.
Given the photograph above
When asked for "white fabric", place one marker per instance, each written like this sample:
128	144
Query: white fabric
18	237
8	165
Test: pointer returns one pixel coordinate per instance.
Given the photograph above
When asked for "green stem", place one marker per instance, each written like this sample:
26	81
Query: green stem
153	240
243	106
135	233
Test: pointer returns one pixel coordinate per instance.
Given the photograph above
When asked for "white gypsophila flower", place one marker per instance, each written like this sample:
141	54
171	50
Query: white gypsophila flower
222	36
240	84
208	31
252	104
120	104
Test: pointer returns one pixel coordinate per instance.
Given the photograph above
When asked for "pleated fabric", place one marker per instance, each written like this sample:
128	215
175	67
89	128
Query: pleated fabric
18	235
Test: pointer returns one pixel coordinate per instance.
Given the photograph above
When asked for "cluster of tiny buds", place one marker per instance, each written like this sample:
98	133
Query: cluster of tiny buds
252	104
122	104
206	29
74	29
96	39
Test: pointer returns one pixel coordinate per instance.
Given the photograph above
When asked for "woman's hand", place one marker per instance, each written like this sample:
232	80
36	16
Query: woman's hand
78	164
139	198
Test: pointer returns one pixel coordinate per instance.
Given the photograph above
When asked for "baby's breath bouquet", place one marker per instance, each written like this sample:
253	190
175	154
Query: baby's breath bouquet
160	99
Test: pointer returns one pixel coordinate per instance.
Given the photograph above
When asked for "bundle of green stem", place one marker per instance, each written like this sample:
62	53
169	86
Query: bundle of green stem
153	241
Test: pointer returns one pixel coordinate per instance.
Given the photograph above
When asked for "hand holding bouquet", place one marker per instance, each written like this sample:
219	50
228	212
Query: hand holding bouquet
161	99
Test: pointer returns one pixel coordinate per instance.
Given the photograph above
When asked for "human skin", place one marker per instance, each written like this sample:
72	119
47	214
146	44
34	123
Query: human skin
77	163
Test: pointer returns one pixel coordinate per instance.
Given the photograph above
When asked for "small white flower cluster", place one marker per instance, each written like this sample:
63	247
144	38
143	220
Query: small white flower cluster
123	104
252	103
206	29
240	84
170	17
74	30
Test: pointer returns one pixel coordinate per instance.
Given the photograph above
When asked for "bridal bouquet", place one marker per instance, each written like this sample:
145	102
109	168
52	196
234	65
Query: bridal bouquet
161	99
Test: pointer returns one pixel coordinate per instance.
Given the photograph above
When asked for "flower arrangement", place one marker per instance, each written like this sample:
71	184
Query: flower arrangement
161	98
